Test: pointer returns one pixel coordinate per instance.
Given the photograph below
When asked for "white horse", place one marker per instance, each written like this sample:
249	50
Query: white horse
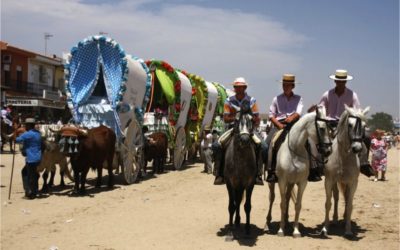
343	166
293	163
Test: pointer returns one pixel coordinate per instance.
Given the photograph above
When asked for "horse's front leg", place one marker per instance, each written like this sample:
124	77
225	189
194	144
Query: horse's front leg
350	191
99	175
247	208
231	209
328	204
282	190
335	216
271	202
238	200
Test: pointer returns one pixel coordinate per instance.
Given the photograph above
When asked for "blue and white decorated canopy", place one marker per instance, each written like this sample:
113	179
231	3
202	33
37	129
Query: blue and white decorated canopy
99	60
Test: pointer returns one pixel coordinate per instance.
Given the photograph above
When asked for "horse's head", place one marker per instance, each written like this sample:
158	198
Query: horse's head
324	144
243	127
356	122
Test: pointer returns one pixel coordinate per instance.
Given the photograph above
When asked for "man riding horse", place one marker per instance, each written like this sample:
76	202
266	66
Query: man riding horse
284	111
334	100
238	100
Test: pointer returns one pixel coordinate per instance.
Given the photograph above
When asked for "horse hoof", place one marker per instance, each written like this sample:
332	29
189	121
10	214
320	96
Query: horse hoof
266	228
229	238
324	232
280	233
348	234
296	235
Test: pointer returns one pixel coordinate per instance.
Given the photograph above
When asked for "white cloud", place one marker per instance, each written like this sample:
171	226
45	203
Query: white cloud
218	44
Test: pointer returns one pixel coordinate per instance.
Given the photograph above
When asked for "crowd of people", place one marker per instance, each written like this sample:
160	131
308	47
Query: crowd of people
286	108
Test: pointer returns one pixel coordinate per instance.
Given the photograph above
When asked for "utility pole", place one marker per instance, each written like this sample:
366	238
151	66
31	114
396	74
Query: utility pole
46	37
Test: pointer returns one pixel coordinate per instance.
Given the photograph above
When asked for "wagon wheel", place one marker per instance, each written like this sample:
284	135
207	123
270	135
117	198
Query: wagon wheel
180	148
132	152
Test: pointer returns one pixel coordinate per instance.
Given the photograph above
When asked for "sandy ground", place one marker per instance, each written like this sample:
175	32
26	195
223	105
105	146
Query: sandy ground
183	210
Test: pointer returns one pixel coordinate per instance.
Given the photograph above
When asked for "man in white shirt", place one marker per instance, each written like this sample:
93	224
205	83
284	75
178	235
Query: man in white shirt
334	100
284	111
206	144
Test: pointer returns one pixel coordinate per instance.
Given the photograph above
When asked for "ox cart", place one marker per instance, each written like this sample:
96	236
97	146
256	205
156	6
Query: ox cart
106	86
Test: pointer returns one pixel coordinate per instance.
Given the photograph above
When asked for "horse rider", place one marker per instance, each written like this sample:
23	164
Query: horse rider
240	98
285	110
32	145
334	100
206	145
6	115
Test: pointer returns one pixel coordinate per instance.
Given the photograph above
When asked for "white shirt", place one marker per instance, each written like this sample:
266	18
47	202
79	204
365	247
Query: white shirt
207	141
334	104
283	107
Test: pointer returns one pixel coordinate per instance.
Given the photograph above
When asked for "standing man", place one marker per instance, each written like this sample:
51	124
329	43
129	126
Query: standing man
206	144
240	97
31	140
284	111
334	100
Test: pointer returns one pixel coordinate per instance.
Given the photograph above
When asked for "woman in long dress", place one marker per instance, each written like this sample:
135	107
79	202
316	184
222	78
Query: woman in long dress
379	154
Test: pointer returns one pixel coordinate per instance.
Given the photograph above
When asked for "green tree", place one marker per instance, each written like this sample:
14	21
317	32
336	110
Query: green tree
381	120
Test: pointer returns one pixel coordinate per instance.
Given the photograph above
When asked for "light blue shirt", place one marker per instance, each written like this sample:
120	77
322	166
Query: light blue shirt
32	144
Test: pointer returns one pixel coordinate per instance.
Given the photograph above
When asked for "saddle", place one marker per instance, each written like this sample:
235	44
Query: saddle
274	146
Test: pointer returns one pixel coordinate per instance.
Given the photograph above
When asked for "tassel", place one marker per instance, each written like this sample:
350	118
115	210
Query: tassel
76	141
70	149
62	147
70	141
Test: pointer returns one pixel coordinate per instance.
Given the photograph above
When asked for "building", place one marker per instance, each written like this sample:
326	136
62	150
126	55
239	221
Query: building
33	84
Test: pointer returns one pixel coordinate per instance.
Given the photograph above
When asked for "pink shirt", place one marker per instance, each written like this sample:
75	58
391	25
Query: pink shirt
334	104
282	107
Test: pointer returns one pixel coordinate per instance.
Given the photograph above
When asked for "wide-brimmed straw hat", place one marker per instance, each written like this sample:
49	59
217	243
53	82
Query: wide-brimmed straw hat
240	81
288	79
341	75
30	121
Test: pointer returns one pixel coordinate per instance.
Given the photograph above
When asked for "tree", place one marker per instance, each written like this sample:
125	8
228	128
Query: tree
381	120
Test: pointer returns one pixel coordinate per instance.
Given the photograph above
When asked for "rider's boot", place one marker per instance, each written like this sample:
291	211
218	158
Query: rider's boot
218	166
271	177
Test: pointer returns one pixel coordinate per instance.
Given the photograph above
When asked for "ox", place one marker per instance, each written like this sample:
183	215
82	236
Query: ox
50	157
87	149
155	149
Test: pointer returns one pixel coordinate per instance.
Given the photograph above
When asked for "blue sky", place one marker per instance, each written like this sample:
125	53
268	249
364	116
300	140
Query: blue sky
221	40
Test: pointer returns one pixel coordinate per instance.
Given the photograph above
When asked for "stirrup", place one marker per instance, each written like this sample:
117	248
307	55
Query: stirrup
259	181
272	178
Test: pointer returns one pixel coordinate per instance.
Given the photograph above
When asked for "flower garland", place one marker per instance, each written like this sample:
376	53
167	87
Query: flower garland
201	86
219	110
174	109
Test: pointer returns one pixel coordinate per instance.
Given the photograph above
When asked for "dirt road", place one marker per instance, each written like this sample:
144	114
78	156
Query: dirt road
183	210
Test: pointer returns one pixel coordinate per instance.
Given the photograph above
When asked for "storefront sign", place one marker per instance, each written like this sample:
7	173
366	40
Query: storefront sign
36	103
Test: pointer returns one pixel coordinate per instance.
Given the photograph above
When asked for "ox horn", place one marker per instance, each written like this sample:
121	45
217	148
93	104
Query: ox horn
55	131
83	132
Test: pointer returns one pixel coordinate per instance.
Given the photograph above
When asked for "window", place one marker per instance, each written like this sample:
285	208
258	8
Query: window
7	75
43	77
19	78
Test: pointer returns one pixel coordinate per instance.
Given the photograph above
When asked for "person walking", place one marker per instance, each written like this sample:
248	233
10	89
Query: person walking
32	143
379	154
206	144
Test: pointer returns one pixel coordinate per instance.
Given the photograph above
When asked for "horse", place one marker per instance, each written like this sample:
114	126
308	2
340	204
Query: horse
343	166
293	163
10	133
240	168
